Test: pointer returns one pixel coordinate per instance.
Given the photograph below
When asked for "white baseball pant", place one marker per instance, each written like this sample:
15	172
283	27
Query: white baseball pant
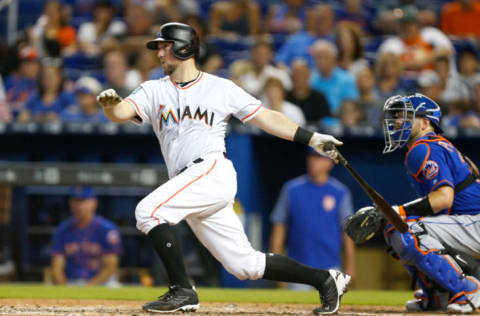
203	195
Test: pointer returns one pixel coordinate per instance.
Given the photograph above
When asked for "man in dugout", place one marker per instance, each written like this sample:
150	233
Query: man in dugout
86	247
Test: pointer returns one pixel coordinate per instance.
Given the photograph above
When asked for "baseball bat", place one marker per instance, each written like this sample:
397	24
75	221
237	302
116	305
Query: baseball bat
383	206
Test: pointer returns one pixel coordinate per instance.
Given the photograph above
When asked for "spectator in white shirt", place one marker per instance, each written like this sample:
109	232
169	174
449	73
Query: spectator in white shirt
275	99
118	74
99	34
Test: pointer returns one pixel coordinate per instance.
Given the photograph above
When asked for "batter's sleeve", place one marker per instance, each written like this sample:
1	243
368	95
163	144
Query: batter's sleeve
241	104
142	103
280	211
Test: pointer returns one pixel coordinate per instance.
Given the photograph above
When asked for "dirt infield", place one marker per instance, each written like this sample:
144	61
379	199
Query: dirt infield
70	307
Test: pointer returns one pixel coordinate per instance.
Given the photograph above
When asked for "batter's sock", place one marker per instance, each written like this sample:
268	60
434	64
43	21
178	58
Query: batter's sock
168	248
284	269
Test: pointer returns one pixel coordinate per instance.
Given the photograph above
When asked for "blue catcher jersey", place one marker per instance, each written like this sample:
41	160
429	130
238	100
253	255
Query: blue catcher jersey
432	162
83	247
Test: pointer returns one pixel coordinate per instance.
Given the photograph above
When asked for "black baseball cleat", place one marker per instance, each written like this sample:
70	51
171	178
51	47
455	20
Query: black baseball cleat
176	299
331	292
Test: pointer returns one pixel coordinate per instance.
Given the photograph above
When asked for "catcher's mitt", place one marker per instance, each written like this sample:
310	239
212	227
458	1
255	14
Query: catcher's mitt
364	224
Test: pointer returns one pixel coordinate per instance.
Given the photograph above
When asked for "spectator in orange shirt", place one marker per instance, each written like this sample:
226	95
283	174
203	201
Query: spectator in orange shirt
53	35
418	46
461	18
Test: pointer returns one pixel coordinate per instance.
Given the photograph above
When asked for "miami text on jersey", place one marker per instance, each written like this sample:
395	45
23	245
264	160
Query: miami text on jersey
169	114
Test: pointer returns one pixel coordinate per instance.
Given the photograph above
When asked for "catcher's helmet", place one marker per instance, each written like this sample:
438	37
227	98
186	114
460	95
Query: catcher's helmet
405	109
184	38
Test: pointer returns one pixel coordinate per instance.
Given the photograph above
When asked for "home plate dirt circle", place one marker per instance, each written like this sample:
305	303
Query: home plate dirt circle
72	307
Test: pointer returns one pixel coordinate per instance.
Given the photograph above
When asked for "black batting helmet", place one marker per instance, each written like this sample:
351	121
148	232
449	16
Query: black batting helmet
183	36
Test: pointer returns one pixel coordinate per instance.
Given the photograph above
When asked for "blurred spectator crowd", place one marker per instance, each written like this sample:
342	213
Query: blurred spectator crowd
327	63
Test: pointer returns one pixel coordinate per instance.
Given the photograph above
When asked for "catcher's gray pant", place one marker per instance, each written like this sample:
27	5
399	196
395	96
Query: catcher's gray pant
203	195
460	232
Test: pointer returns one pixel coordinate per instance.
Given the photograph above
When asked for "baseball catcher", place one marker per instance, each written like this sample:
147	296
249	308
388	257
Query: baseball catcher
443	241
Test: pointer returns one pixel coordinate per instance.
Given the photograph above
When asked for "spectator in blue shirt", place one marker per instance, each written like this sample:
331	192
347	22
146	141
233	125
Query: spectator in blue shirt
336	84
287	17
20	85
308	215
86	108
355	11
5	114
86	247
298	45
50	100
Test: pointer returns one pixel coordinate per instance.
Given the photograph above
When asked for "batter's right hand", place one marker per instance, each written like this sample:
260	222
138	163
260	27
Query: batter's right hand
318	142
108	98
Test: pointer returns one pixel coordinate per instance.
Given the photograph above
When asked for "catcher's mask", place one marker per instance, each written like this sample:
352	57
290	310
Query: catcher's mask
399	115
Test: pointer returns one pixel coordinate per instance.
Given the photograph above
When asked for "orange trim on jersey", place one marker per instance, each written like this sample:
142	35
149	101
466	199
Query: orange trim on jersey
184	187
444	182
435	138
415	175
258	108
137	108
186	87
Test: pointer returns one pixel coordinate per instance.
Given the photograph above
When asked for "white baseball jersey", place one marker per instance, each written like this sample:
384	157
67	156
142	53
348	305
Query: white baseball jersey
191	121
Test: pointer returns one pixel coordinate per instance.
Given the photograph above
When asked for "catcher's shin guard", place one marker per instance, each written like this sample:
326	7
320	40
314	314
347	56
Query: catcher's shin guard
430	297
426	256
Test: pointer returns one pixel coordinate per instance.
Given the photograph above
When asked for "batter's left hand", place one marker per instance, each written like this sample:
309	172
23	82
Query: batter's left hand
318	142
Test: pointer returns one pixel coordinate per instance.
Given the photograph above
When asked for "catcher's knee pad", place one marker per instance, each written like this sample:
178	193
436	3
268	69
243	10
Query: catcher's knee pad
440	268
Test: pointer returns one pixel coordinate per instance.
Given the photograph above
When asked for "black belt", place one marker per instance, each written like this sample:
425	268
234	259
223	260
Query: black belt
198	160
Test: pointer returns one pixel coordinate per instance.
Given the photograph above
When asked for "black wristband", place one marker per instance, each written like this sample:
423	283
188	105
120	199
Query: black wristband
419	207
302	136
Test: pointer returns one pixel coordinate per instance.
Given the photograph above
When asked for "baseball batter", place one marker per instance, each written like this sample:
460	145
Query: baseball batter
189	110
444	223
